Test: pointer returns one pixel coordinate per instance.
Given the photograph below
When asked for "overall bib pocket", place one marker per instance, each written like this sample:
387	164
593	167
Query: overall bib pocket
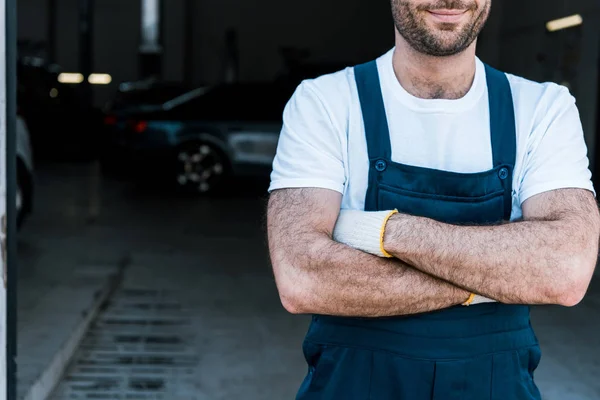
450	209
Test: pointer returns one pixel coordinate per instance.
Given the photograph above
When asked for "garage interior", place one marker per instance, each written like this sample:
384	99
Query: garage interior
142	280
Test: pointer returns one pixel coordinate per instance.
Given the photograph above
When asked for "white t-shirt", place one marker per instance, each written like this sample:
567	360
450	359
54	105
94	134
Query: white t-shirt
323	143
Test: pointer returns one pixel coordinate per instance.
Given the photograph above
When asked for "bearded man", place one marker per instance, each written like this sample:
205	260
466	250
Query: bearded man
420	204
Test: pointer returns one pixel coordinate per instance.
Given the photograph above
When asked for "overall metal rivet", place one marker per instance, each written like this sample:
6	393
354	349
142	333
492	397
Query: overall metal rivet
380	165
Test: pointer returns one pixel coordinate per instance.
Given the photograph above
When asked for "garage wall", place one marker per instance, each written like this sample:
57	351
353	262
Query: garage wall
567	57
173	40
487	47
31	19
347	31
116	27
352	30
334	30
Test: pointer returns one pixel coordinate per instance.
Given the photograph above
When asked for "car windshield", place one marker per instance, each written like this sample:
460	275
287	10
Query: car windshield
190	96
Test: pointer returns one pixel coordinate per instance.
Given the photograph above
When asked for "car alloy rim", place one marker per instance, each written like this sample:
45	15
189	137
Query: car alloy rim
200	167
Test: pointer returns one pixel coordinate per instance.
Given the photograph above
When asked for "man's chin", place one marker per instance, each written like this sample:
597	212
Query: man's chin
445	26
444	51
447	40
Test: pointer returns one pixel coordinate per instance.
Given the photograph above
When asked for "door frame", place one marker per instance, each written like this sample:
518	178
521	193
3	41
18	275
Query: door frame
8	184
596	156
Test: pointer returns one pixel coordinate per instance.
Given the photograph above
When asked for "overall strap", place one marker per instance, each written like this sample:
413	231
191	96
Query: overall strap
373	110
503	131
502	118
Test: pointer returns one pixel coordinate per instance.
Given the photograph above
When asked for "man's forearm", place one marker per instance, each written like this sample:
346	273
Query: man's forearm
317	275
529	262
338	280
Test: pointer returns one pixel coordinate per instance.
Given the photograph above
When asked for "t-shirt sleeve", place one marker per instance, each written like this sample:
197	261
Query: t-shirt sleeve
309	152
557	155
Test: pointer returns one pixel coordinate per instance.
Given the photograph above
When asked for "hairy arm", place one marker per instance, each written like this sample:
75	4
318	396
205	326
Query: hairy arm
316	275
548	258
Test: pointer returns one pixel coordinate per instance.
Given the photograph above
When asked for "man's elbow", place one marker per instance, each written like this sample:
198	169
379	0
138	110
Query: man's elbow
292	303
295	299
294	290
572	296
571	288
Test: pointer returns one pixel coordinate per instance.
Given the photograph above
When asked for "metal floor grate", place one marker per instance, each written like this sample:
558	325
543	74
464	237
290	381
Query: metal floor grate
140	347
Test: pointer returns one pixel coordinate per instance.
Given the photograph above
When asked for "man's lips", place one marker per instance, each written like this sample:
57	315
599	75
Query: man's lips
448	16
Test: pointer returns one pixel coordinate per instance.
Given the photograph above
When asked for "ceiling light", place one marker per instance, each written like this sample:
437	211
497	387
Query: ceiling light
564	23
100	79
70	77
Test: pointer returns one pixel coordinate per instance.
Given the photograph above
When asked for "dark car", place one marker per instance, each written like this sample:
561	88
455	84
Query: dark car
198	139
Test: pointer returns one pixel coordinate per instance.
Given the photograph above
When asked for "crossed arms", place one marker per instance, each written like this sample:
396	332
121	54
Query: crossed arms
548	258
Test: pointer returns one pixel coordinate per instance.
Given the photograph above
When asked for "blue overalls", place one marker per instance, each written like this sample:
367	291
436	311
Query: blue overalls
481	352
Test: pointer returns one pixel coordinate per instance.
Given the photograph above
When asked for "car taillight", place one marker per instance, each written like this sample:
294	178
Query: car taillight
137	126
110	120
140	126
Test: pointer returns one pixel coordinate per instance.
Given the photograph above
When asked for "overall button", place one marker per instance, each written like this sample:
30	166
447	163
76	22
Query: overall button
503	173
380	165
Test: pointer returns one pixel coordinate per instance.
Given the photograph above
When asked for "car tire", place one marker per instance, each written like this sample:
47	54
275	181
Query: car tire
200	168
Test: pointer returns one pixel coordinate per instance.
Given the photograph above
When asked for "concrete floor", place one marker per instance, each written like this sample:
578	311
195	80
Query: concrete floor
210	254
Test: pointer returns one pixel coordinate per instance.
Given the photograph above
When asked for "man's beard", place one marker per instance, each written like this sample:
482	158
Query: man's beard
448	40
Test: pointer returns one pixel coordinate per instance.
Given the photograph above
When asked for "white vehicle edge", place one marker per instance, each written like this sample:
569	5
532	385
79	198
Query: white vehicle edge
25	168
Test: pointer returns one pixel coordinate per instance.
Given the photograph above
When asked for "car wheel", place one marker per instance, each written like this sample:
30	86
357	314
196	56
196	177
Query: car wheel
200	167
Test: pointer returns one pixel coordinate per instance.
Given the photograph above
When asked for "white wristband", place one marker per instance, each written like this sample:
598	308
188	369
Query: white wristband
362	230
